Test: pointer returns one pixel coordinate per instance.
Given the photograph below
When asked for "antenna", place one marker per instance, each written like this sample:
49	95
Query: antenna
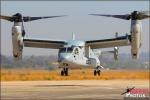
73	36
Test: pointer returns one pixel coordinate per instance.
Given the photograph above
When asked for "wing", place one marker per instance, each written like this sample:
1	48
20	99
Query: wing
105	43
40	43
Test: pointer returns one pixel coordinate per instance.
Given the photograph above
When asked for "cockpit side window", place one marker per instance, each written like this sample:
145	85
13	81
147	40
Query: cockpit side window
62	50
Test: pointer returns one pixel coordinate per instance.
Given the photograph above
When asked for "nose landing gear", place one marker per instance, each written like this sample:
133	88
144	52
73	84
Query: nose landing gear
64	72
97	71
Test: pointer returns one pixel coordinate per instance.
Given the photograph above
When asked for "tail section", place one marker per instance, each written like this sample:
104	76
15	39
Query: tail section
115	51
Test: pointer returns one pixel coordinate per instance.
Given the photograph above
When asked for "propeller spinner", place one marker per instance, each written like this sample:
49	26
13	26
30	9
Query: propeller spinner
135	15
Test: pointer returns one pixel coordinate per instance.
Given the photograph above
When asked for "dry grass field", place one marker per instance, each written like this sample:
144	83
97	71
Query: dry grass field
85	74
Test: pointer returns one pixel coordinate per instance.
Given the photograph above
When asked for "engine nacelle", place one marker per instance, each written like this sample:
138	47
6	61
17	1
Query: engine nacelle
17	42
136	31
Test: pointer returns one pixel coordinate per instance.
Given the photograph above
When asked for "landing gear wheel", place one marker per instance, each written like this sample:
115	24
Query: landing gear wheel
95	72
62	73
66	71
99	72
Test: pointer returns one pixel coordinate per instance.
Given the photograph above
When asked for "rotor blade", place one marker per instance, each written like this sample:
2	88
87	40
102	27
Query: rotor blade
144	14
26	19
126	17
8	18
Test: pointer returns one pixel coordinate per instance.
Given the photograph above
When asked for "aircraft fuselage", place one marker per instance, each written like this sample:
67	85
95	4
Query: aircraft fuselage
73	56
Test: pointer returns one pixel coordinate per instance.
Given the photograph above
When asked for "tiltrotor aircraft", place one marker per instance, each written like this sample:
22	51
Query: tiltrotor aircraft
78	54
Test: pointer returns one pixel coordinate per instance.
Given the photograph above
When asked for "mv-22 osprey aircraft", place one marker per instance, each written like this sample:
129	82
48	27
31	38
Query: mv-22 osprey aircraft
78	54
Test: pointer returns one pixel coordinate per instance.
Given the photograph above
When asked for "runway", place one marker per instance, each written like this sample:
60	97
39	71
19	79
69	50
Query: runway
68	90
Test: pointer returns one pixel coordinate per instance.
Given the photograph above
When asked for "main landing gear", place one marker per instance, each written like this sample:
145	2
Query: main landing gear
97	71
64	72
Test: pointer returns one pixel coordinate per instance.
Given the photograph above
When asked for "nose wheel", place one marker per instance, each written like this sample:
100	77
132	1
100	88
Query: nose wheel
64	72
97	71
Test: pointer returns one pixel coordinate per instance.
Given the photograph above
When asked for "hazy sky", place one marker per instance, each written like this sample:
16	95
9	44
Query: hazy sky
84	26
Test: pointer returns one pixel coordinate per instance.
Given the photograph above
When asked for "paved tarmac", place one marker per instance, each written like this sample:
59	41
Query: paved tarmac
68	90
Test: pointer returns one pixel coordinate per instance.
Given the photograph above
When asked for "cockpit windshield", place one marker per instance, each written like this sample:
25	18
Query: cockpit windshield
66	50
69	50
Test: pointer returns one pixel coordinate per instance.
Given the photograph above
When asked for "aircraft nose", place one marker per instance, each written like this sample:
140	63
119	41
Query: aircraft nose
65	57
